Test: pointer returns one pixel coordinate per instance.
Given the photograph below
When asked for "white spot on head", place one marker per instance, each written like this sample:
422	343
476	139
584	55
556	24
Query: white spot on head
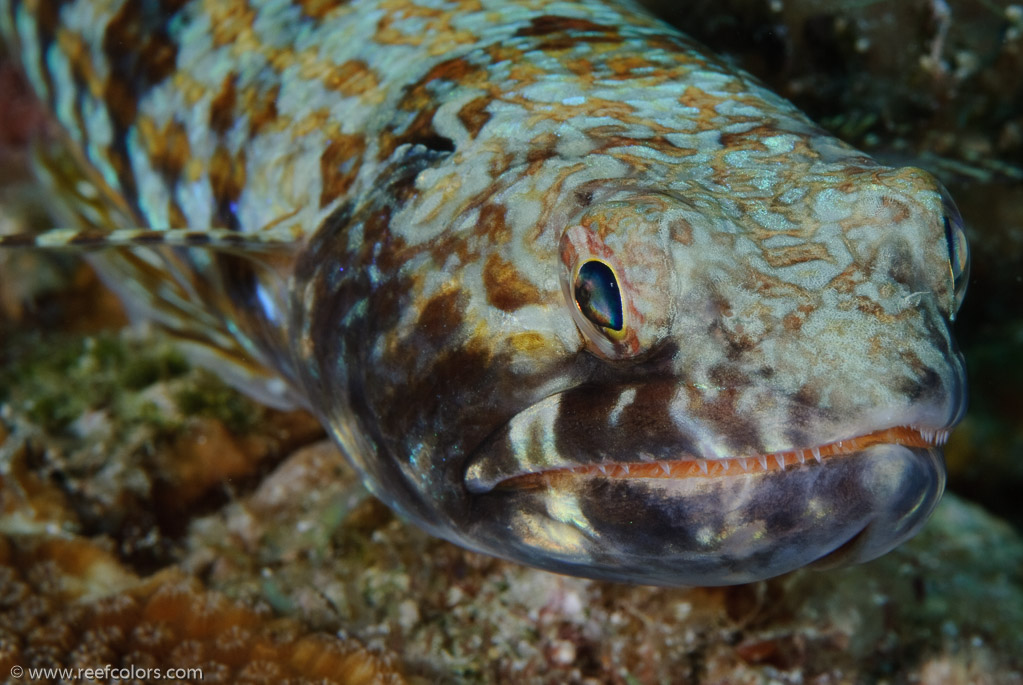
624	400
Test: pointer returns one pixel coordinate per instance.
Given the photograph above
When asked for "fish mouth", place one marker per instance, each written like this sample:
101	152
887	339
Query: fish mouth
621	484
700	467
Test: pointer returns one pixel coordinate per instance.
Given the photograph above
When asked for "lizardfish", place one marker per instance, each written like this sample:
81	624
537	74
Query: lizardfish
564	287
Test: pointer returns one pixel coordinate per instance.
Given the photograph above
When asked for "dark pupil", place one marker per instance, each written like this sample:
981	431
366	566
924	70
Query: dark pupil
950	240
597	294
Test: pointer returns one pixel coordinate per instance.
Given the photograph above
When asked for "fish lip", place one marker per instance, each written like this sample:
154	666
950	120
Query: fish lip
911	434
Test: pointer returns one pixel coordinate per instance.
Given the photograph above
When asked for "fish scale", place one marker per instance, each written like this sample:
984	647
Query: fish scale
556	279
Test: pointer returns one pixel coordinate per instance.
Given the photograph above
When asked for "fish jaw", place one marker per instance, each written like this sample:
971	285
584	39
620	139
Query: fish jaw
674	513
718	531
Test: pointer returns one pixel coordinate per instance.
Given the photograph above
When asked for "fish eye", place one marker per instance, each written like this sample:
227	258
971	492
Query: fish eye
958	252
598	296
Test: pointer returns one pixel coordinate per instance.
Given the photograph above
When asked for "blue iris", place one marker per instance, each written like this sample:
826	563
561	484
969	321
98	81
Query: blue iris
598	295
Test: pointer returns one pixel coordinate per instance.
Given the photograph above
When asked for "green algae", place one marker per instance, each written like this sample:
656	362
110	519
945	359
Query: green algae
53	380
208	396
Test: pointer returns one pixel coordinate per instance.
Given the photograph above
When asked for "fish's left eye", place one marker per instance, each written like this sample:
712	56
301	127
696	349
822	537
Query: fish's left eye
958	252
598	296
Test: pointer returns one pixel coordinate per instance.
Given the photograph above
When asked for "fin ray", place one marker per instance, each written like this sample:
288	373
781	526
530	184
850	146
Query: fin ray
275	239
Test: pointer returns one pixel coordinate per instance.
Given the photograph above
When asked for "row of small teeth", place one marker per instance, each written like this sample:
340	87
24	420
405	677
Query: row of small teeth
936	437
719	466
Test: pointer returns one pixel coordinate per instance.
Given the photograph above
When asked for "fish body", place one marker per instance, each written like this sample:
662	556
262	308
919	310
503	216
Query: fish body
563	286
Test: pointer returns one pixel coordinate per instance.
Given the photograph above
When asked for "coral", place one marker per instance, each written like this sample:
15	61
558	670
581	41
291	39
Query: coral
208	453
66	602
28	502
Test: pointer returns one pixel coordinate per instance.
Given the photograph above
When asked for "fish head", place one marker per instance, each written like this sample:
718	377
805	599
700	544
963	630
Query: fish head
660	385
